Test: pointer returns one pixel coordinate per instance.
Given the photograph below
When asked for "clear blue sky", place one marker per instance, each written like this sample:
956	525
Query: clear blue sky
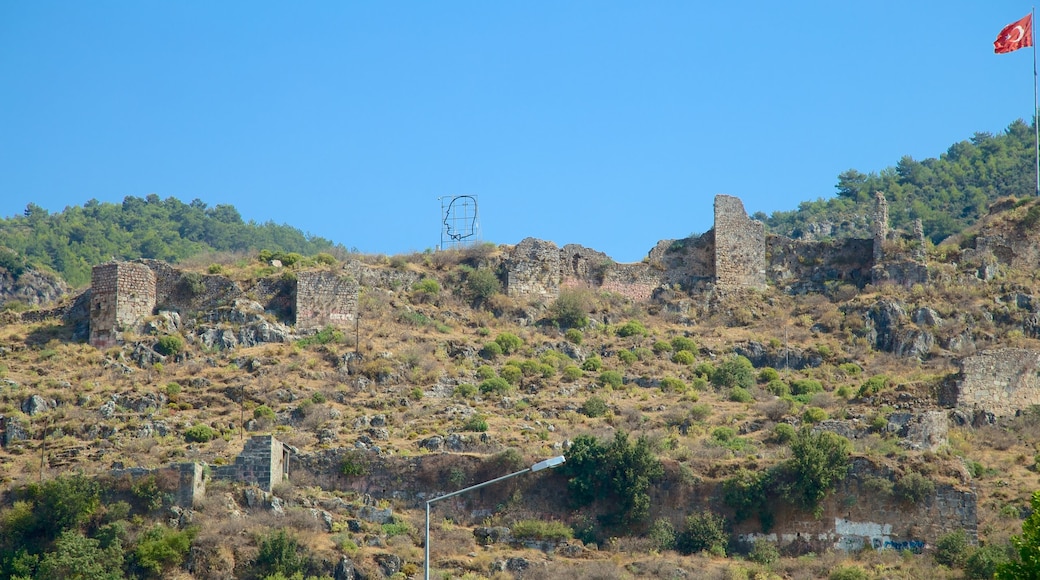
607	124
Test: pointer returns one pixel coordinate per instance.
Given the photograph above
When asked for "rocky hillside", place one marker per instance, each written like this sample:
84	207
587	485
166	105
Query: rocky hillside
795	431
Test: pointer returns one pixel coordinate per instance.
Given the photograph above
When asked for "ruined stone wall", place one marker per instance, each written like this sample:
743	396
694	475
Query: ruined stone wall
880	225
325	298
855	518
740	246
997	382
533	269
799	266
582	267
189	477
262	463
121	294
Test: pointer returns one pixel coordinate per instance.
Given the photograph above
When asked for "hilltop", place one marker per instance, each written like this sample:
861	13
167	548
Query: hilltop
685	392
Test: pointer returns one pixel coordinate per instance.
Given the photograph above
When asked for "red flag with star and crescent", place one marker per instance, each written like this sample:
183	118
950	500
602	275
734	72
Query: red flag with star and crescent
1014	36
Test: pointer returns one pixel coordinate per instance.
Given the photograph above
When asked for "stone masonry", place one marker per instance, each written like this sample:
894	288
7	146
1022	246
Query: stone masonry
121	294
533	269
264	462
740	246
998	383
325	298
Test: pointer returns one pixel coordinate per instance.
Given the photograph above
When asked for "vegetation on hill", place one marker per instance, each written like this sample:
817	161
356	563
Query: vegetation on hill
947	194
72	241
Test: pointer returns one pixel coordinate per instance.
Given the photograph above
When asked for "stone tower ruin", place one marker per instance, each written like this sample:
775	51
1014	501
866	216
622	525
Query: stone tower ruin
325	298
740	246
121	294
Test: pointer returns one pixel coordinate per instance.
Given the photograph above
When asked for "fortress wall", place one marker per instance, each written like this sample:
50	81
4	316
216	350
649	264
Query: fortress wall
325	298
740	246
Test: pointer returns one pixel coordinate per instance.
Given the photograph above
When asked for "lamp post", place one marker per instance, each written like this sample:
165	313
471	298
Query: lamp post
544	464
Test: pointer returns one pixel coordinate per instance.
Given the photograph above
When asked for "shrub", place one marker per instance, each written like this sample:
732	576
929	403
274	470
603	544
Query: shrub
466	390
672	384
740	395
477	423
541	530
354	464
806	387
161	548
594	407
745	492
486	372
873	385
705	369
683	357
199	434
627	357
263	412
985	561
173	389
914	487
491	351
683	343
593	363
848	572
632	328
700	412
734	372
280	553
778	388
611	379
427	286
704	532
571	309
662	534
396	528
952	549
509	342
764	552
572	373
661	347
495	385
169	344
482	284
768	375
814	415
512	374
573	335
783	433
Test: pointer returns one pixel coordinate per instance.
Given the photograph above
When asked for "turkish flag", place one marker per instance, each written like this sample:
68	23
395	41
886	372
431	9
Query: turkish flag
1015	36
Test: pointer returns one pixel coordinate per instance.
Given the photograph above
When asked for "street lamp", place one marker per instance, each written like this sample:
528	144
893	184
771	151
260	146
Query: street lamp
544	464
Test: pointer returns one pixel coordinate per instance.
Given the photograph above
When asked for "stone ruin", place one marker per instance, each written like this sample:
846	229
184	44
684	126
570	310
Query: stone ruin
735	254
124	293
263	463
993	384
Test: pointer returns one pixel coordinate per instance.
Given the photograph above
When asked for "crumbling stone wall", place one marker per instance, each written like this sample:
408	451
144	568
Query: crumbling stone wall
264	462
121	294
582	267
997	383
533	269
190	480
740	246
325	298
855	518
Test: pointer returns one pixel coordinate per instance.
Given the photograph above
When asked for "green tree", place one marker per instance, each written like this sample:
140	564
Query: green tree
76	557
618	474
735	371
280	553
1028	547
819	461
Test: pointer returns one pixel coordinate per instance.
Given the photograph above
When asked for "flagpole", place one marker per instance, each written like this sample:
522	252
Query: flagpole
1036	105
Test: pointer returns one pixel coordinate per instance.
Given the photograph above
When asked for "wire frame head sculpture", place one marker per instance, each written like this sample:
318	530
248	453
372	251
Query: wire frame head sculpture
460	224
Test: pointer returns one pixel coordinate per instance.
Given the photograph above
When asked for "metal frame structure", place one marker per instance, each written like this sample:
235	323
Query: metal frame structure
460	221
